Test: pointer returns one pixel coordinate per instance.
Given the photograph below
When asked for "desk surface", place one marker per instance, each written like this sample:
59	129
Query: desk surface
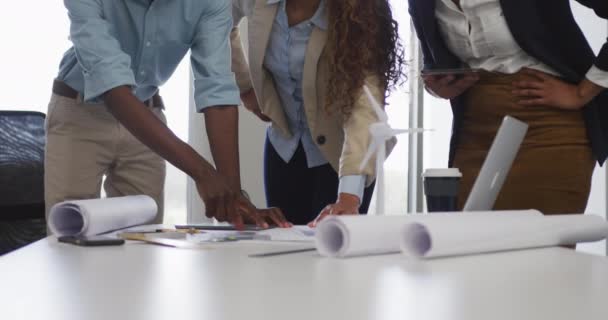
49	280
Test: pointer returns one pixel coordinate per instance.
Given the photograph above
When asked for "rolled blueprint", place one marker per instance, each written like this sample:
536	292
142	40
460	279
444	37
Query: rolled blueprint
344	236
95	216
436	237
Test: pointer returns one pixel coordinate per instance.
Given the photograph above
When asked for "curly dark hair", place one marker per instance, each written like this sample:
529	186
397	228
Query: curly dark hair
363	40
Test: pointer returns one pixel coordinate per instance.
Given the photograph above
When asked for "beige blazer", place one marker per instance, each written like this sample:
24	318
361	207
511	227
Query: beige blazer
343	141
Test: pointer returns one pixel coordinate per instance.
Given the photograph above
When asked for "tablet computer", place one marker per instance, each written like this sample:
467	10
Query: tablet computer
497	164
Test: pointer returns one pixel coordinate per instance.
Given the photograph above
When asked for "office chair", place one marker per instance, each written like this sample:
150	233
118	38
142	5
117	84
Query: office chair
22	217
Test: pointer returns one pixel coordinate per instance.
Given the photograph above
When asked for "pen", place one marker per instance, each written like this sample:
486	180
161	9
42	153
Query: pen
174	243
189	231
278	253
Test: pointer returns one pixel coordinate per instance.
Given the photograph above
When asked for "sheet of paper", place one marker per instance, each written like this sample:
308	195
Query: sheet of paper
436	237
346	236
95	216
295	234
221	236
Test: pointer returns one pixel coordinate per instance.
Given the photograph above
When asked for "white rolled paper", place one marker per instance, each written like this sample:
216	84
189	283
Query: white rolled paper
95	216
436	237
344	236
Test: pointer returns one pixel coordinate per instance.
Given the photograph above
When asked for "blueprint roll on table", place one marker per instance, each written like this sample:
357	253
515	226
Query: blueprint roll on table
95	216
344	236
435	237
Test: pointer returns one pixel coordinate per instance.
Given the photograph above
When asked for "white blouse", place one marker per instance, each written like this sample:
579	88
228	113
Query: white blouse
479	35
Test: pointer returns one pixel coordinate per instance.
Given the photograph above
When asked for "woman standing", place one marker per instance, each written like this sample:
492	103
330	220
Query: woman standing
539	69
308	63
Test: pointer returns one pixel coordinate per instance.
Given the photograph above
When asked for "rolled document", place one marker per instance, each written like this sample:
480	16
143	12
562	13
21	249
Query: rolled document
344	236
436	237
95	216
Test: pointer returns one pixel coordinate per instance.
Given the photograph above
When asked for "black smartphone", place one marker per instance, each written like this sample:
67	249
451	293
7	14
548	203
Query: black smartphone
92	241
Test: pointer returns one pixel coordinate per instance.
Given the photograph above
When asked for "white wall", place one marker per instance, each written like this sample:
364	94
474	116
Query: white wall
30	62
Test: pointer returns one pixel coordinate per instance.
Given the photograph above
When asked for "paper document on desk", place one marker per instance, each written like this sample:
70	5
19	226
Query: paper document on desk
95	216
294	234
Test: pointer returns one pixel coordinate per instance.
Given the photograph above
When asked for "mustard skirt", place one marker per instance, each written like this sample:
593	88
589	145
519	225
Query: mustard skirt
553	169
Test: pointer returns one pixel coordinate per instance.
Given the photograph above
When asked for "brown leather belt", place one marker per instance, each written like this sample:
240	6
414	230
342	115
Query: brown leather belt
62	89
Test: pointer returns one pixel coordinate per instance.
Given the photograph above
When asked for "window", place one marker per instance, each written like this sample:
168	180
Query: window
176	96
596	30
398	110
30	62
30	57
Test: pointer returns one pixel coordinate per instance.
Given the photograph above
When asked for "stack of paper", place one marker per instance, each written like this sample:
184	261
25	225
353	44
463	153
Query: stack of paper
295	234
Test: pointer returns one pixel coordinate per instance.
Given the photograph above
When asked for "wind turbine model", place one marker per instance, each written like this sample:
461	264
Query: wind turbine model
381	132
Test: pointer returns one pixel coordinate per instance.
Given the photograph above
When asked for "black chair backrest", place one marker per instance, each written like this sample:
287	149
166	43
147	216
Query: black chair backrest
22	141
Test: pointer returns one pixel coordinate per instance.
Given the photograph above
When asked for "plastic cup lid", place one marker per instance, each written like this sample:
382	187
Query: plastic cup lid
442	173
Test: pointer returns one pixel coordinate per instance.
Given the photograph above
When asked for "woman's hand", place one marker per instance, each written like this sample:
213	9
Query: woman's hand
449	86
250	101
547	90
347	204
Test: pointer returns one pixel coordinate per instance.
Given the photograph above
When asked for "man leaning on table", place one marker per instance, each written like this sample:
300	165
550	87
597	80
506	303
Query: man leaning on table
106	117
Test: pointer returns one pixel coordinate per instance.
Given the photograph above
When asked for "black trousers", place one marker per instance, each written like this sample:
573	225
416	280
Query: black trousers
301	192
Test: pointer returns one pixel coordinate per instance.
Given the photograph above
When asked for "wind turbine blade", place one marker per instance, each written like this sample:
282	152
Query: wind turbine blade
410	131
373	146
382	116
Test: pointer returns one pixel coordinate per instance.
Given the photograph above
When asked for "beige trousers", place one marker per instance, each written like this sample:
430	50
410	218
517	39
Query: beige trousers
85	143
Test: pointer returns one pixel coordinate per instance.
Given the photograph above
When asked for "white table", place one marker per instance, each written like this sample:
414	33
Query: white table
49	280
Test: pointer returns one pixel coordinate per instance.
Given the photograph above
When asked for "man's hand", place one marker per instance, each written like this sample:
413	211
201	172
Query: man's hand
250	102
221	200
347	204
546	90
449	86
262	217
227	205
219	189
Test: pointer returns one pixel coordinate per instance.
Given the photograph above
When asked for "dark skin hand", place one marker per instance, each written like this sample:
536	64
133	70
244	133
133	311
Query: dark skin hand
347	204
543	89
250	102
219	189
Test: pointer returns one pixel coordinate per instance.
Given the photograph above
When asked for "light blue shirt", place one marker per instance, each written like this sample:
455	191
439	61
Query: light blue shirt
284	60
139	43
